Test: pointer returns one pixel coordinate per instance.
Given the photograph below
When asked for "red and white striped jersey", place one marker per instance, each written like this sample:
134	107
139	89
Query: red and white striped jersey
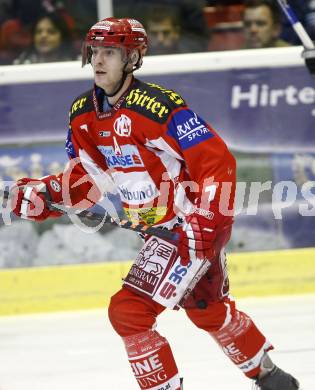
162	157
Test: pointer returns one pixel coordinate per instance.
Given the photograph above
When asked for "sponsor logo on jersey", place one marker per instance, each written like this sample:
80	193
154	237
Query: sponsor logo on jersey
140	98
135	188
188	129
175	97
104	133
128	156
122	126
69	145
78	104
143	195
148	215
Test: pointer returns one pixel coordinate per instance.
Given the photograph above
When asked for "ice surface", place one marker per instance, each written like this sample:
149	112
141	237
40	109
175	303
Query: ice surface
79	350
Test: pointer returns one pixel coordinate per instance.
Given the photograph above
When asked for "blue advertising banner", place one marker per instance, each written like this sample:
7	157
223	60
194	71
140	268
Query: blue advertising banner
37	111
255	110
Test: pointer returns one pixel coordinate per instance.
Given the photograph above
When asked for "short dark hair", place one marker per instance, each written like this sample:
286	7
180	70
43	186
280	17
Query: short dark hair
58	22
271	4
66	46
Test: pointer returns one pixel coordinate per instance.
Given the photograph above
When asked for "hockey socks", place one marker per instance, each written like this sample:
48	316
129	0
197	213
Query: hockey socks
152	361
243	343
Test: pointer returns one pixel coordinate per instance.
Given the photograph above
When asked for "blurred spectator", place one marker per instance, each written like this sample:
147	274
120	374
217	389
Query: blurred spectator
16	32
51	42
262	24
163	28
188	28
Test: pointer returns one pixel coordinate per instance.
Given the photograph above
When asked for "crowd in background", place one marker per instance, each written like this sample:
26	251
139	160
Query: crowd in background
34	31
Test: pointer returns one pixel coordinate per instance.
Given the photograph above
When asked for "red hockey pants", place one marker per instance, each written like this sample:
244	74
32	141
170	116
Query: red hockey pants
209	307
134	317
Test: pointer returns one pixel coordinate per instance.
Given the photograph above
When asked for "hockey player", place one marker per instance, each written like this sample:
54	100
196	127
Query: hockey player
170	169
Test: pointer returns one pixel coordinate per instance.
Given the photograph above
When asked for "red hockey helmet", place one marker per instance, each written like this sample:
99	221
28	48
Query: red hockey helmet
125	33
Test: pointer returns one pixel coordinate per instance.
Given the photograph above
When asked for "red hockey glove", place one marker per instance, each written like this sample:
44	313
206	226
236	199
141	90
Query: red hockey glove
29	197
197	235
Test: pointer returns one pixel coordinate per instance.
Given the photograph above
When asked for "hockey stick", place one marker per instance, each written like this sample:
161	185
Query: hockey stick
105	218
309	47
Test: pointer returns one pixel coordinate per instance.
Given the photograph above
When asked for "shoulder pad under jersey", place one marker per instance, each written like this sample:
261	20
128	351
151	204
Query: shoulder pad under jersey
82	104
153	101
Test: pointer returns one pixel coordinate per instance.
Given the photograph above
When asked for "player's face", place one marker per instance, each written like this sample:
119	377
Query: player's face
107	63
47	37
259	28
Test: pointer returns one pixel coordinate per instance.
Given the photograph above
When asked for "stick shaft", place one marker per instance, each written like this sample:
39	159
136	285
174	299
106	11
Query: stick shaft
124	224
296	24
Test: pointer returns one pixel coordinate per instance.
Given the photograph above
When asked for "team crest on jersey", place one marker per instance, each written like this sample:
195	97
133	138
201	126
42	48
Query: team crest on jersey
122	126
188	129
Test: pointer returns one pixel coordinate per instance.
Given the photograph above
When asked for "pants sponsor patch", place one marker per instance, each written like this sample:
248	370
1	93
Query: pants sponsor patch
151	266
